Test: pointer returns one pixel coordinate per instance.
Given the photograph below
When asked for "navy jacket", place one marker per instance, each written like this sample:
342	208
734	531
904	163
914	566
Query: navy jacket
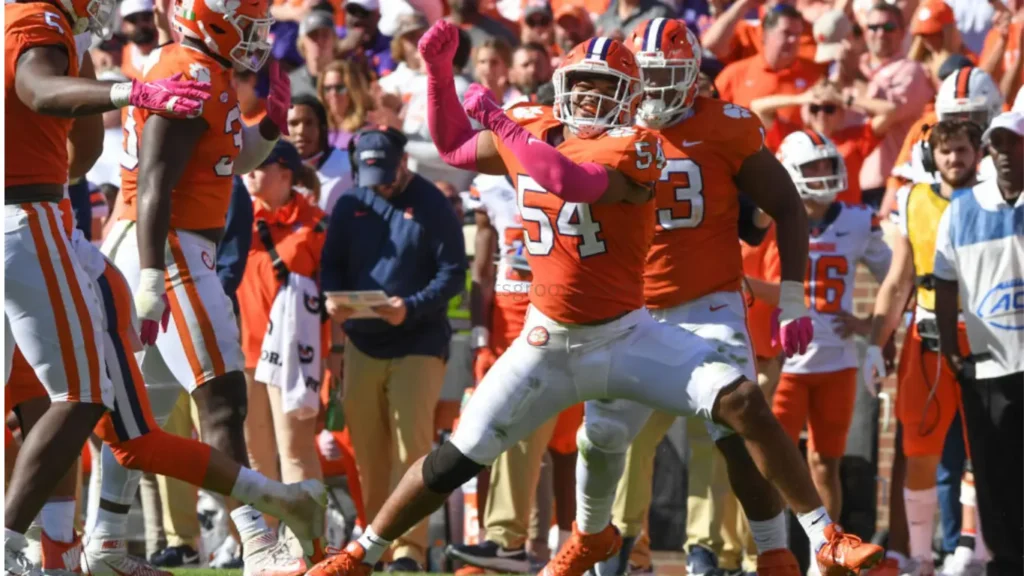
233	250
411	246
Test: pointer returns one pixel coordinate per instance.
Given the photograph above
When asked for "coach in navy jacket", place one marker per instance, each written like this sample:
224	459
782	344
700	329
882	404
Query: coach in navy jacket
398	233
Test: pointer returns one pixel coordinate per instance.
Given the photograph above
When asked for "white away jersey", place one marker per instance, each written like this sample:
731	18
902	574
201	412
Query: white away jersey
980	244
848	235
497	197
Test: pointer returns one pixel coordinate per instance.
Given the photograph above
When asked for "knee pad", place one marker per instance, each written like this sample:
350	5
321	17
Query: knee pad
446	468
603	434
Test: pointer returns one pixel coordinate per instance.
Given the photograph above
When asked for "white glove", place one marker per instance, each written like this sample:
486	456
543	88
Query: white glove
328	445
874	369
151	304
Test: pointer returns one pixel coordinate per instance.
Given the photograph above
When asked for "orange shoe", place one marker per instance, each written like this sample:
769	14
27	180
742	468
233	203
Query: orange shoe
349	562
780	562
468	570
60	555
581	551
845	554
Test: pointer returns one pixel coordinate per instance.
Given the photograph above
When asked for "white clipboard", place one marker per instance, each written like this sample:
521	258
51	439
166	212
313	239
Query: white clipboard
362	301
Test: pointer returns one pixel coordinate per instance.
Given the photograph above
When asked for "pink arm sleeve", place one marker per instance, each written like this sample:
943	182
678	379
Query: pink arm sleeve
550	168
449	126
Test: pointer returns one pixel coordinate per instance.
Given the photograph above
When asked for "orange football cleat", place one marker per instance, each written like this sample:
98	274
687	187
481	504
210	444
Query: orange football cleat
62	555
845	554
780	562
581	551
349	562
468	570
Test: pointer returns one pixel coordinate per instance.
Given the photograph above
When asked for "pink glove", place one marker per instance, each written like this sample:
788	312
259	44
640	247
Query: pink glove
437	48
794	335
169	95
479	104
280	98
151	328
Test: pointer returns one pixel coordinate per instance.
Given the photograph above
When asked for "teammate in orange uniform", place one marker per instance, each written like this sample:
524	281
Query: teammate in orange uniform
176	182
587	337
819	388
42	93
714	149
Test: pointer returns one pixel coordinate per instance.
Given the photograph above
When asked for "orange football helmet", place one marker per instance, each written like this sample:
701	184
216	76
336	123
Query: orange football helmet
669	56
236	30
95	16
592	112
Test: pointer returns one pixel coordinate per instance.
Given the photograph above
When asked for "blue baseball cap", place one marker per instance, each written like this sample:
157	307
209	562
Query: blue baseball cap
377	155
284	154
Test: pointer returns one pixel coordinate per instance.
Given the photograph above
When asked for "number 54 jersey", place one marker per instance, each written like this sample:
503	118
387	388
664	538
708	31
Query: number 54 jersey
200	200
846	236
587	259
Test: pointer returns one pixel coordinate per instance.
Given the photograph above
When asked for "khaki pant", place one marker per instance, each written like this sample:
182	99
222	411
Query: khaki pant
271	435
389	409
179	499
514	477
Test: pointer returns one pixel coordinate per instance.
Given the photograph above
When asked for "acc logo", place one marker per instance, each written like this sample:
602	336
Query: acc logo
538	336
207	260
305	353
1003	306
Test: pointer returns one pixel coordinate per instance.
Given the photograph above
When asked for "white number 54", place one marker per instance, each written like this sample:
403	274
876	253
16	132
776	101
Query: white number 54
645	157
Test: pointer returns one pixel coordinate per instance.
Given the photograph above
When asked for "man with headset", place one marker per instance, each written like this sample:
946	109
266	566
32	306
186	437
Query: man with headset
394	232
928	394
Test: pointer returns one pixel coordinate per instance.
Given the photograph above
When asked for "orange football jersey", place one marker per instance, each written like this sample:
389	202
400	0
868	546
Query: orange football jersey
696	250
36	151
200	200
587	259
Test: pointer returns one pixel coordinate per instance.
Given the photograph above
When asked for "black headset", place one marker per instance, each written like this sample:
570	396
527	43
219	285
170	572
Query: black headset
927	154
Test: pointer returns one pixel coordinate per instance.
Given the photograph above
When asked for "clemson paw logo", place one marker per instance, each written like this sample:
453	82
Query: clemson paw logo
312	302
208	260
198	72
538	336
305	353
734	111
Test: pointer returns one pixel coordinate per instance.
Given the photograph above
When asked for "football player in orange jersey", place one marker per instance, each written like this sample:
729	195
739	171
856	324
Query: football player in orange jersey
578	170
176	182
42	92
714	149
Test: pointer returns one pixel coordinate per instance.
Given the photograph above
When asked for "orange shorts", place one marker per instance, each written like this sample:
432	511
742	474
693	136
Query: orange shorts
925	404
824	402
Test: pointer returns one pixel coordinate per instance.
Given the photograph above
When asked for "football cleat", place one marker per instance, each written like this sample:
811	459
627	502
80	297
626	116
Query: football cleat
61	557
303	509
265	555
779	562
846	554
349	562
492	556
15	561
582	551
110	558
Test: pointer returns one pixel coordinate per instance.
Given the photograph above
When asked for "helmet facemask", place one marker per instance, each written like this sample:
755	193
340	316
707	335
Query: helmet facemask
253	46
617	109
822	189
669	88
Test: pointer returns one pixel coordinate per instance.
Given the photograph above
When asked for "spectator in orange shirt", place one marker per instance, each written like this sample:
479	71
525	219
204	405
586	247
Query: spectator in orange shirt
288	237
777	69
936	37
1004	45
730	37
572	26
823	109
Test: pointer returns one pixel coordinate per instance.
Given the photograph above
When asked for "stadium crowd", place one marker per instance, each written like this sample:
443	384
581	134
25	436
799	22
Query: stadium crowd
915	105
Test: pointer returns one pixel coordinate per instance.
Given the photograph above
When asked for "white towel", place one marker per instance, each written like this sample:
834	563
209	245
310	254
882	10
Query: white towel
290	355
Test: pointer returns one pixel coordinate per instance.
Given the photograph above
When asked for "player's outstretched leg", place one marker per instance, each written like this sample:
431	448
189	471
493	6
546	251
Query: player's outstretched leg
743	408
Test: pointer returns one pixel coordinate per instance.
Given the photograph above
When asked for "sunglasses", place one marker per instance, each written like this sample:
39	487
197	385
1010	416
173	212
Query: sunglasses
537	22
826	108
884	27
335	89
357	11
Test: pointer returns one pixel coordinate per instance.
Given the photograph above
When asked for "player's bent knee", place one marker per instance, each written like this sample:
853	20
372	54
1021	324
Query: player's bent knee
446	468
604	435
742	406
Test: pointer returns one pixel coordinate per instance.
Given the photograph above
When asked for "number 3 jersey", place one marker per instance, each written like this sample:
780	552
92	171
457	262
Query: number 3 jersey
497	198
847	235
200	199
587	259
696	249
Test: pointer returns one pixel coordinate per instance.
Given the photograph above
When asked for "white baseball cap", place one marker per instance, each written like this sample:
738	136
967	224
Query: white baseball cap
830	29
129	7
369	5
1012	121
1018	102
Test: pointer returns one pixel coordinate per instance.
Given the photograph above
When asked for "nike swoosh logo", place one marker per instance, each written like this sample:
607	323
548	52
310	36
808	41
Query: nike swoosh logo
687	143
190	559
818	519
502	553
717	308
841	234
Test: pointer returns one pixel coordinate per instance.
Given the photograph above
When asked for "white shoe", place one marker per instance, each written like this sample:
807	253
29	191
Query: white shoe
110	558
15	561
225	554
303	509
34	550
266	556
962	563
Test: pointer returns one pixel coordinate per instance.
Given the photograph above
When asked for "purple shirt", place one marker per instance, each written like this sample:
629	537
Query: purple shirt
379	54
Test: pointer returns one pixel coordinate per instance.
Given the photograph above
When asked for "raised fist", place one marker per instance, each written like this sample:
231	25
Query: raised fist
479	105
438	45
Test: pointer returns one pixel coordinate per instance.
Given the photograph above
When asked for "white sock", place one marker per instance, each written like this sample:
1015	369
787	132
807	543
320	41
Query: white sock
597	475
920	506
981	553
769	534
251	487
814	523
250	522
58	520
374	545
108	526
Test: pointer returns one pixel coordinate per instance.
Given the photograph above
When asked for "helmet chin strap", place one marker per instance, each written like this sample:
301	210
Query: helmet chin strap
208	39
